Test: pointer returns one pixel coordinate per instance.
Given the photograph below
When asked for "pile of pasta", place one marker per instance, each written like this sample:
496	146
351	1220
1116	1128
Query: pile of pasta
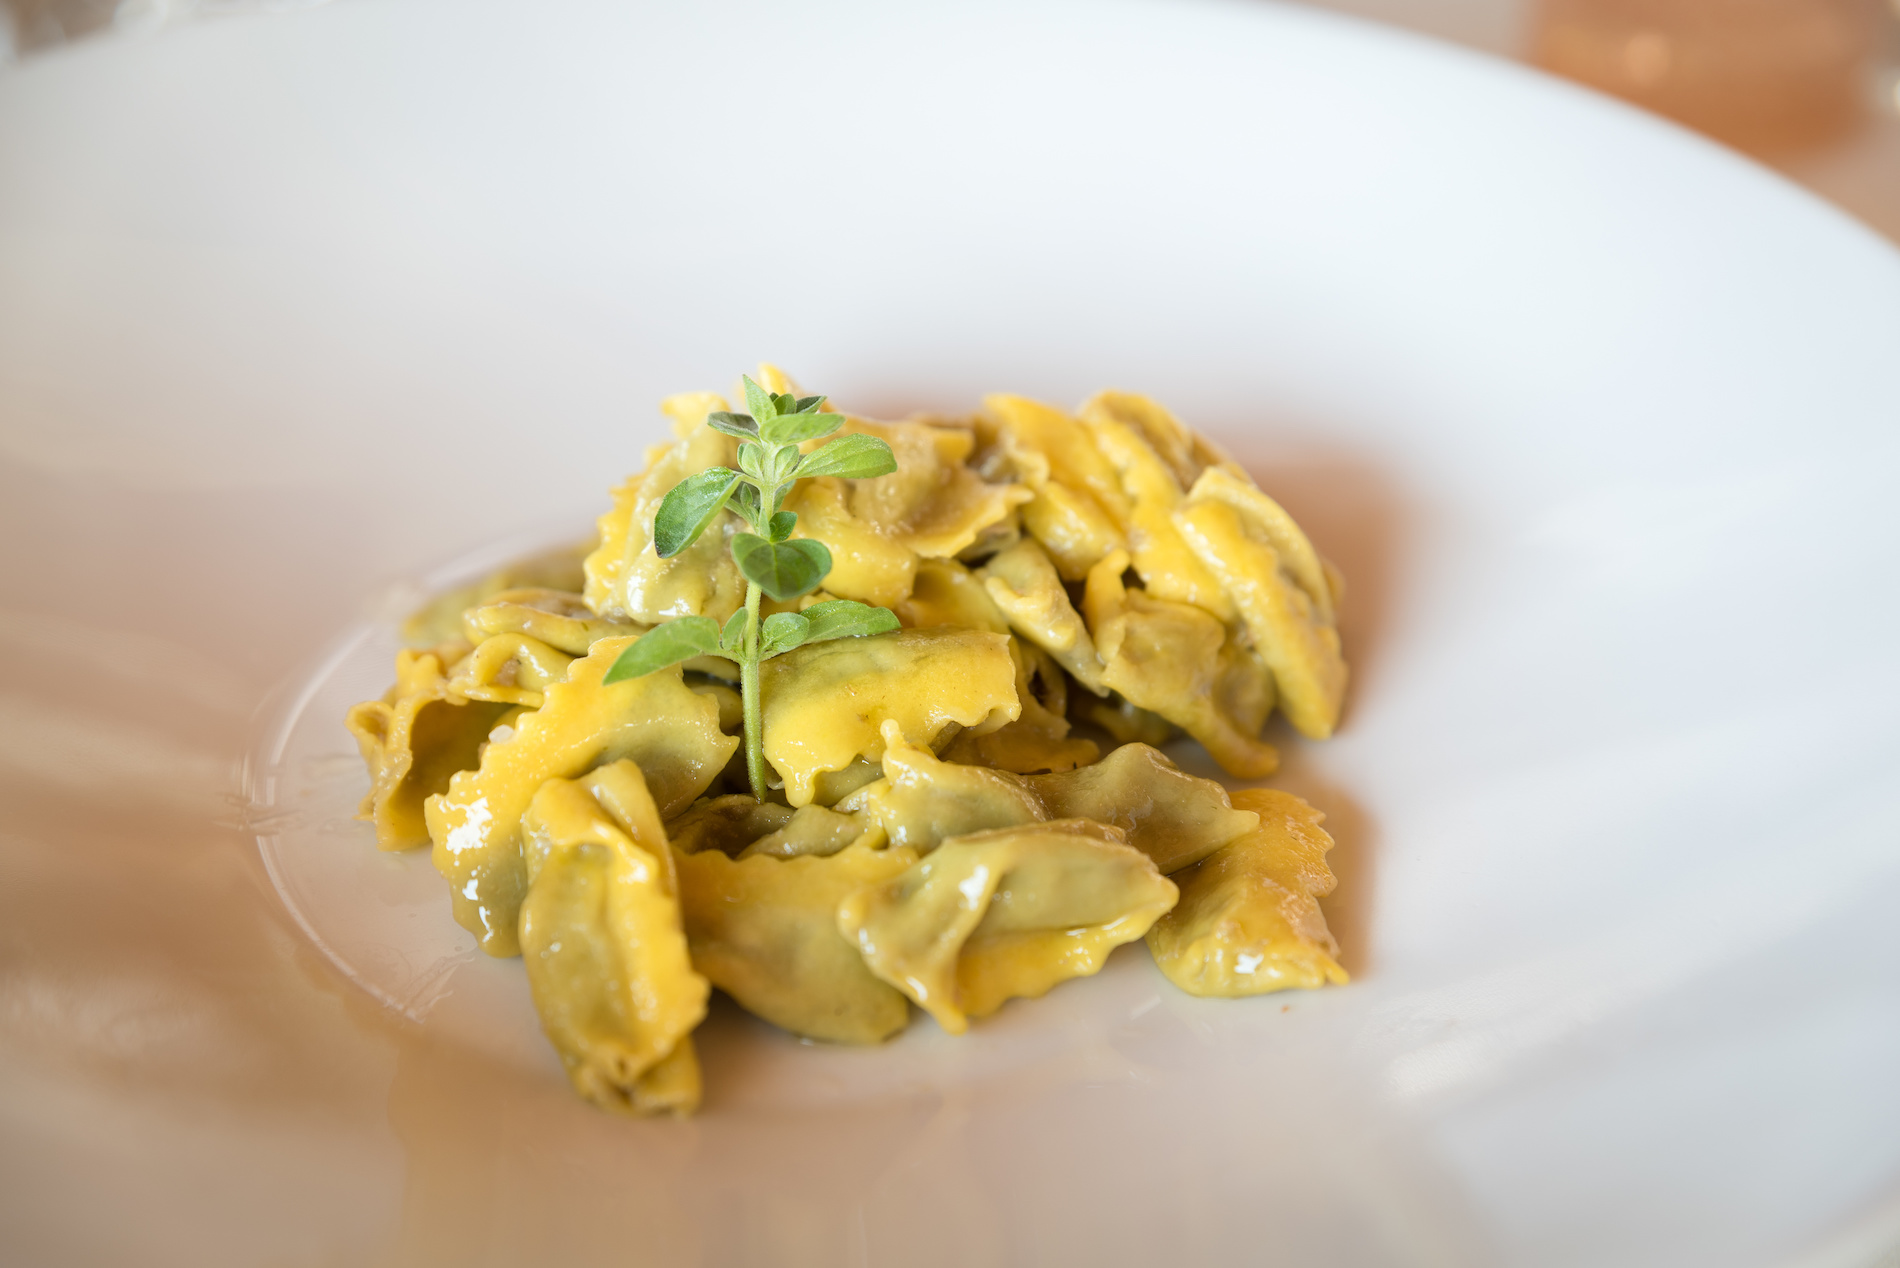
971	809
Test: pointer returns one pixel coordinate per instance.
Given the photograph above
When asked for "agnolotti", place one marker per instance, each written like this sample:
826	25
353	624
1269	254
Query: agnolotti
1176	819
882	531
765	931
1027	590
626	579
834	814
440	620
605	950
1282	588
1168	567
559	619
1180	662
1039	739
1004	914
1249	920
509	669
920	800
669	729
1080	511
934	504
414	740
826	703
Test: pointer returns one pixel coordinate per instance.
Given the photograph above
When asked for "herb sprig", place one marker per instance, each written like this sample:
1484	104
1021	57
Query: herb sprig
773	563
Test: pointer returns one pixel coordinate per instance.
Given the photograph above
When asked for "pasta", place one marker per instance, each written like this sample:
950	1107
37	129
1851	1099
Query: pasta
602	939
964	805
1011	912
1249	921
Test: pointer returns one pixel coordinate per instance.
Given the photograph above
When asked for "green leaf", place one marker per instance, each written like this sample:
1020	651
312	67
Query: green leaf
784	570
781	632
855	457
844	618
782	525
759	401
785	403
746	500
732	638
689	507
680	639
740	425
752	460
793	429
809	404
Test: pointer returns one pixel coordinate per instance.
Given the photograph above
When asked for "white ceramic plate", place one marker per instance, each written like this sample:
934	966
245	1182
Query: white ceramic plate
1599	421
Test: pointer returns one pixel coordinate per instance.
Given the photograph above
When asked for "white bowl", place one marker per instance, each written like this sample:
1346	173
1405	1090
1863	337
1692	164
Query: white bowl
1601	423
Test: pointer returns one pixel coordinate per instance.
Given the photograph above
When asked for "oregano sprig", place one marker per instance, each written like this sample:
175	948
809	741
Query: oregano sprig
774	564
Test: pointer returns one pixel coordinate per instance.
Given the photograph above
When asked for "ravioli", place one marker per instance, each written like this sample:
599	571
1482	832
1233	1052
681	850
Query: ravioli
968	809
866	563
933	504
945	593
626	579
1249	920
602	940
1039	739
1175	818
1079	511
920	800
815	831
1282	590
879	531
826	702
509	669
1168	567
728	824
440	620
413	741
1186	452
765	931
1027	590
557	618
1168	657
670	730
1003	914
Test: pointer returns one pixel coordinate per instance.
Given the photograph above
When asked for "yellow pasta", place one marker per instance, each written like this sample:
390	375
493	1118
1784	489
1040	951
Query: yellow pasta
626	580
1249	921
509	669
952	805
602	938
826	702
765	930
559	618
1169	568
1027	589
475	826
413	741
1008	913
1168	657
1039	739
1281	589
1173	817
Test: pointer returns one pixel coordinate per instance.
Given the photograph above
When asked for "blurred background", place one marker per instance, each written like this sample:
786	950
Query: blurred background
1810	87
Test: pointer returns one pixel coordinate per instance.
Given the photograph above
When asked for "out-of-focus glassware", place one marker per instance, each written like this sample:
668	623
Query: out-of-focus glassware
1767	76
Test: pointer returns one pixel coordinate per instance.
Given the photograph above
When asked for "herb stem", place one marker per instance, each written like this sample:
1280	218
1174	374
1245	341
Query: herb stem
749	692
749	666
